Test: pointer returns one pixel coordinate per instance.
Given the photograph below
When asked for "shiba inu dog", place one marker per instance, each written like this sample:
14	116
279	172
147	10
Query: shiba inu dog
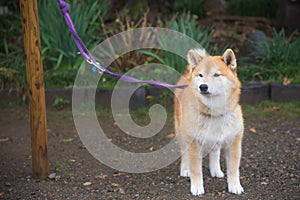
208	118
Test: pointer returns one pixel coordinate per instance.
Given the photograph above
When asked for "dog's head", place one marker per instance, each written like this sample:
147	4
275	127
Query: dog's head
212	75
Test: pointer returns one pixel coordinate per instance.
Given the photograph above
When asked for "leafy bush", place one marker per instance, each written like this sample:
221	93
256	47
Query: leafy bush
131	59
280	51
59	103
280	59
12	60
262	8
7	78
59	78
187	25
58	47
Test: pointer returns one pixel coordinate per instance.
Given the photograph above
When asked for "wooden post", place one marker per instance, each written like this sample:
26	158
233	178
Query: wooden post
36	92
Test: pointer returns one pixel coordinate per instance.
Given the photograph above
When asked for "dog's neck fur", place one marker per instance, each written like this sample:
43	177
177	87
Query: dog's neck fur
217	106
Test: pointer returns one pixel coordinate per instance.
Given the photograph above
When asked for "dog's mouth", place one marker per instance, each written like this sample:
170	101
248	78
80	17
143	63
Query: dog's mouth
206	93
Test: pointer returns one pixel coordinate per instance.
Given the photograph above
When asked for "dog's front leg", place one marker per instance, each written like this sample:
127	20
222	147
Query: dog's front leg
233	156
195	162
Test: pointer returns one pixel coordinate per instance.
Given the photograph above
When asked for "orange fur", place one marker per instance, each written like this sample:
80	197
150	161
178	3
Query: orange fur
208	117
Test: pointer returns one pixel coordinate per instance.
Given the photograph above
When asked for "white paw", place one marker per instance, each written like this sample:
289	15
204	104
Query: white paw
216	173
235	189
197	190
185	173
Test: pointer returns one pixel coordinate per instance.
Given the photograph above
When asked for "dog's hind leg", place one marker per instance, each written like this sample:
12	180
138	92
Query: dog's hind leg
195	161
214	163
184	165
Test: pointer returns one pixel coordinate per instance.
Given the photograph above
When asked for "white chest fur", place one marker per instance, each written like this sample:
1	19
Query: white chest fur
215	132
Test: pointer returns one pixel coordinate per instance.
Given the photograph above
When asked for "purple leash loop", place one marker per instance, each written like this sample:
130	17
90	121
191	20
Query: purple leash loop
86	54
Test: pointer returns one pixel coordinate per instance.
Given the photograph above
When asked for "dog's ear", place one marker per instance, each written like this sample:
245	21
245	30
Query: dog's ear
229	59
194	56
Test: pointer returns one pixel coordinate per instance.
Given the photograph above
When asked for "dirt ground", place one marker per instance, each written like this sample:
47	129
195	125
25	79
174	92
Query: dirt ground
269	168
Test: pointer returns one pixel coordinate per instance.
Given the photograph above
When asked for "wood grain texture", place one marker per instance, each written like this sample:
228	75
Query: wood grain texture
36	92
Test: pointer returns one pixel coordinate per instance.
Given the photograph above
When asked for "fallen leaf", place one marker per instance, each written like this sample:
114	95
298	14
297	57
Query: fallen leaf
298	139
276	108
88	183
72	160
121	190
150	97
115	184
4	139
286	81
57	178
171	135
93	190
103	176
119	174
151	148
252	130
1	194
67	140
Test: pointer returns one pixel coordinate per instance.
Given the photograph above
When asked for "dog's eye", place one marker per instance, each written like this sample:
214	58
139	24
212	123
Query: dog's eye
200	75
217	75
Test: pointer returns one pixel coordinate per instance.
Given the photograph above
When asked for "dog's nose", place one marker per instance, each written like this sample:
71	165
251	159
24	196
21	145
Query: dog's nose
203	87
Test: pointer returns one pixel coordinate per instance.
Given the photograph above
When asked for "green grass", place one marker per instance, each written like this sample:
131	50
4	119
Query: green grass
60	166
266	109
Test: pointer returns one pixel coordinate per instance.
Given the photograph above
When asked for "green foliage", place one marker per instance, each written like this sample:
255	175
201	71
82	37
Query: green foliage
195	7
280	59
187	25
12	62
58	47
59	103
59	78
267	109
259	8
7	78
280	51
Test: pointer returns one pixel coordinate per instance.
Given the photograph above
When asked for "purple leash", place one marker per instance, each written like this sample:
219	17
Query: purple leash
86	54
